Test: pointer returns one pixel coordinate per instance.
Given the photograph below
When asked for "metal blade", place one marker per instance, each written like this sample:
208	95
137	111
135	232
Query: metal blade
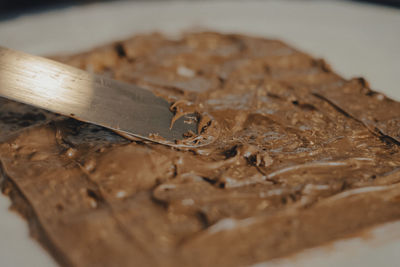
91	98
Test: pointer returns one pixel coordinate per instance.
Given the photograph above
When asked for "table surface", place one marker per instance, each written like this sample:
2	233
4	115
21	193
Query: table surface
356	39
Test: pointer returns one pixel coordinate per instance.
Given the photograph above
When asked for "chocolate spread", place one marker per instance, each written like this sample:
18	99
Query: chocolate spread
299	157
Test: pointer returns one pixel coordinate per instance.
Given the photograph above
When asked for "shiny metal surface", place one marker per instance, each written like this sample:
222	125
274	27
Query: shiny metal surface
91	98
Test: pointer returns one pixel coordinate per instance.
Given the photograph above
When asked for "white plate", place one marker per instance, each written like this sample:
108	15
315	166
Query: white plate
357	40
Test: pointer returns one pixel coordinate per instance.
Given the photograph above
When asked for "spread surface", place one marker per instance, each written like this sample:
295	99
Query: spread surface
299	157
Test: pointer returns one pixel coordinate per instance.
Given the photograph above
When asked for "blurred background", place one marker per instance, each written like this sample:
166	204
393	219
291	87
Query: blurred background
16	7
355	36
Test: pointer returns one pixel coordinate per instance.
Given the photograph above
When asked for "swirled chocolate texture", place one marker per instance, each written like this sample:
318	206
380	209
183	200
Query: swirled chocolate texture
300	157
